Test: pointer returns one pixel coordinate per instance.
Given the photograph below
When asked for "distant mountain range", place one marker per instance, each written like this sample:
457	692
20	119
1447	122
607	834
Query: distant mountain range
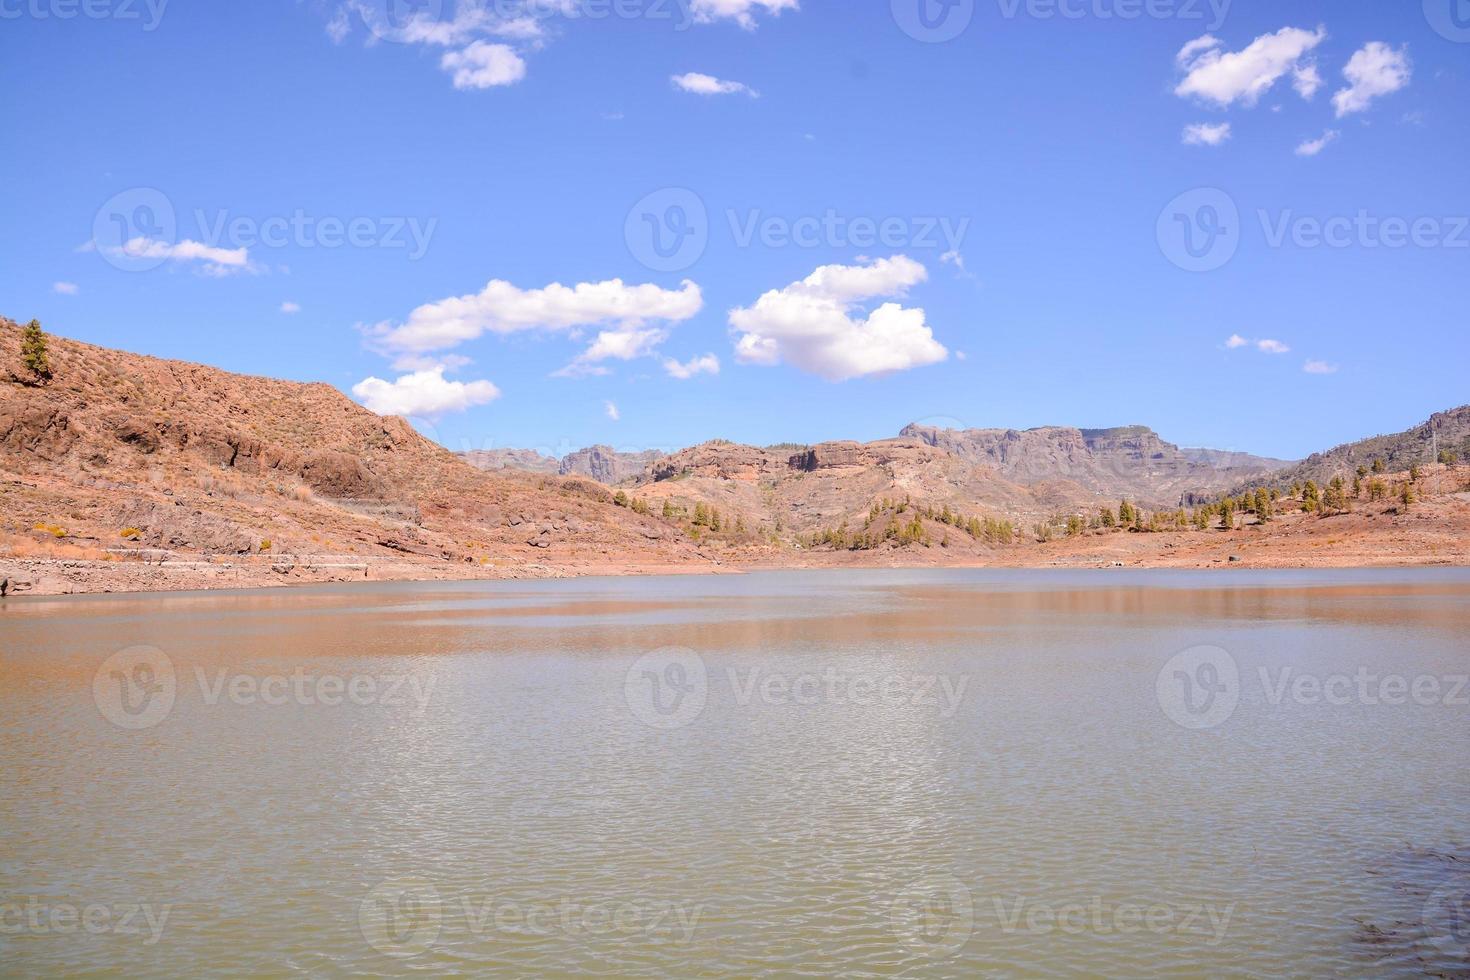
1026	474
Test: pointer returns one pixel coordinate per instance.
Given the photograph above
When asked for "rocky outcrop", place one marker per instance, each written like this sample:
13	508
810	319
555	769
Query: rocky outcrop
606	465
718	460
526	460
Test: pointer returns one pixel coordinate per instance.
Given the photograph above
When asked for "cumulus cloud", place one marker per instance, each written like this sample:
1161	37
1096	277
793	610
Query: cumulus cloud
633	319
610	409
215	261
1374	70
423	394
1235	341
65	288
1311	148
1319	367
484	65
817	324
708	364
289	307
1225	77
740	11
702	84
1206	134
485	43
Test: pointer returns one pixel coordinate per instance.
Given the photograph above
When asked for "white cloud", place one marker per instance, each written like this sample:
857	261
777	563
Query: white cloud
217	261
740	11
484	65
1306	80
1311	148
634	319
1226	77
1319	367
1374	70
1266	346
708	364
290	307
1206	134
423	394
65	288
702	84
816	325
611	410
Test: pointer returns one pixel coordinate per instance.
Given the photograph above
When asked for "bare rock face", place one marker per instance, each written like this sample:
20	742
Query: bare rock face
338	474
177	527
1130	461
718	460
526	460
43	430
606	465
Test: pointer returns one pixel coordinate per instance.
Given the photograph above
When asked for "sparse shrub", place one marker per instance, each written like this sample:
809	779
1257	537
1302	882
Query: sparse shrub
130	533
33	353
1406	498
620	499
265	545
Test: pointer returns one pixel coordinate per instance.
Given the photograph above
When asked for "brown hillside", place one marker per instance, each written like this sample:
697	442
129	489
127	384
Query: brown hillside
131	457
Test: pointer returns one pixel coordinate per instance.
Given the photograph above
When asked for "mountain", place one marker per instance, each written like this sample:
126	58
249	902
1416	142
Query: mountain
126	472
1420	445
520	460
606	465
601	463
121	454
1132	461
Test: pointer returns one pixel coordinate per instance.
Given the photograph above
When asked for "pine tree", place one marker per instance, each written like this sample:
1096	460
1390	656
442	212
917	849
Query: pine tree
33	351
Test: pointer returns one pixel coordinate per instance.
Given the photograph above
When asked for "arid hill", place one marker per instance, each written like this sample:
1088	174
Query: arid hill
1421	446
129	457
1132	461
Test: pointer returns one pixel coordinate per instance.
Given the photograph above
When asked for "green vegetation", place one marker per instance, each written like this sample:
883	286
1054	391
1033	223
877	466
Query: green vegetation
33	352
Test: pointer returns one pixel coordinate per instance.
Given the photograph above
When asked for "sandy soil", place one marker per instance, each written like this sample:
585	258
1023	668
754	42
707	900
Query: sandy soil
1436	531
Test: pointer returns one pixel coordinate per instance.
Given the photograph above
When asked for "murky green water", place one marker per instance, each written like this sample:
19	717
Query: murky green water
880	773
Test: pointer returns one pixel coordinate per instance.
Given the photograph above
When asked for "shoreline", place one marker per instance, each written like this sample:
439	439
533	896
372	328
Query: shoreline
52	578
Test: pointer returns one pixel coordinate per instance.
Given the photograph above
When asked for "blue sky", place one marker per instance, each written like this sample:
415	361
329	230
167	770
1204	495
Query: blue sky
1049	254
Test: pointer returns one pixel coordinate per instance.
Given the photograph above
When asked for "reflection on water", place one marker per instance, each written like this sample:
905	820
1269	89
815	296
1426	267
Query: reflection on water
876	773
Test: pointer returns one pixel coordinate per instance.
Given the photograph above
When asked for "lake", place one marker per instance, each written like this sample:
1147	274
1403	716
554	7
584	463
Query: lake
876	773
